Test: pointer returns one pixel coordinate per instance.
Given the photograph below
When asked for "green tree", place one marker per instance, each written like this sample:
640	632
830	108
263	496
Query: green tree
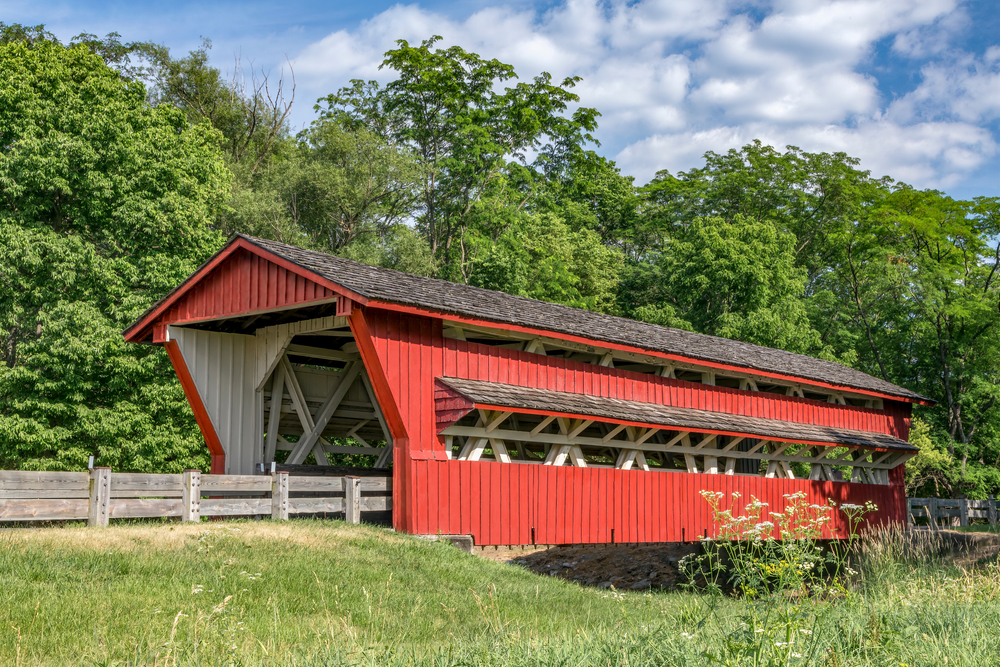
589	191
481	147
397	247
541	257
735	279
249	109
105	205
898	282
810	195
348	183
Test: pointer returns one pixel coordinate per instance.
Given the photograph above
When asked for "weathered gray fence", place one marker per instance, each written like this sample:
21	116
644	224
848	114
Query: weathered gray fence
100	495
954	512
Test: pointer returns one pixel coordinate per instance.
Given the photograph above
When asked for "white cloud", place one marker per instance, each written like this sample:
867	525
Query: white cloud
931	38
675	79
966	89
931	154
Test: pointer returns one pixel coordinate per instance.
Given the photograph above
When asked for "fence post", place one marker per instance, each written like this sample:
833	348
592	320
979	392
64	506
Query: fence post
932	511
100	496
191	496
991	508
279	495
352	499
963	511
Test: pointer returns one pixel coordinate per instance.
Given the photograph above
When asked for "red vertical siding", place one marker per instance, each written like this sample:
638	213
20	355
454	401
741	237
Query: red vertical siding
502	503
242	283
493	364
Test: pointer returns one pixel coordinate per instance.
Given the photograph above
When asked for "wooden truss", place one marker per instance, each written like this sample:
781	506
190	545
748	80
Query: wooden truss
511	438
315	404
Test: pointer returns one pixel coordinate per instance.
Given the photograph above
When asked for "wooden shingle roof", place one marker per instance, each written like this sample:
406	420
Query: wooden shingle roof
387	285
511	397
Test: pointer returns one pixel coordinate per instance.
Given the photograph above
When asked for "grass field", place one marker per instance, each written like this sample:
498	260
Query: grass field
327	593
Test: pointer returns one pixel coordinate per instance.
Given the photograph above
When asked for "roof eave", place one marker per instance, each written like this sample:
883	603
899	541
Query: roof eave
138	331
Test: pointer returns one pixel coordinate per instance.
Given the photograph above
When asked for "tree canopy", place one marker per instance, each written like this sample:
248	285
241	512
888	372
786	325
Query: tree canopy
106	203
122	167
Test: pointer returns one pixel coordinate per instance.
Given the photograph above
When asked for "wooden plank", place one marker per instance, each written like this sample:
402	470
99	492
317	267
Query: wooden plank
733	443
43	510
495	420
302	410
128	485
279	496
561	439
579	428
499	450
100	497
235	483
235	506
376	503
137	508
352	499
26	480
625	459
116	493
45	493
541	425
613	432
191	498
386	456
315	505
647	434
321	353
306	444
135	480
331	471
274	414
316	484
347	449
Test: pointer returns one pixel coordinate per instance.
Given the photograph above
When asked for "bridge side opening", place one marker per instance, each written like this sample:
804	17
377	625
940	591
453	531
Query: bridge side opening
319	410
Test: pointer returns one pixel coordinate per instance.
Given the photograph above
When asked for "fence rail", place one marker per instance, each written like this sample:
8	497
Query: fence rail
954	511
100	495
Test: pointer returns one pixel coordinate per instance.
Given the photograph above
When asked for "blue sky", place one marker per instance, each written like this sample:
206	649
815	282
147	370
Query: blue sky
911	87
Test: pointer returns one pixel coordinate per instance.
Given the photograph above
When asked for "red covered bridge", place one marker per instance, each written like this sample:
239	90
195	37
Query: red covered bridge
509	419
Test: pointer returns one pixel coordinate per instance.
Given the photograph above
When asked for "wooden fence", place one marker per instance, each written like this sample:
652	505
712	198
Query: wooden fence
100	495
955	512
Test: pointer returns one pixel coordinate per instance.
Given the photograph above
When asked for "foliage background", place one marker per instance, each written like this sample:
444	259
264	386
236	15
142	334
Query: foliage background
122	167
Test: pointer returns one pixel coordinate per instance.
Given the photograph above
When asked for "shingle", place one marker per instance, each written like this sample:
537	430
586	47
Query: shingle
501	308
513	397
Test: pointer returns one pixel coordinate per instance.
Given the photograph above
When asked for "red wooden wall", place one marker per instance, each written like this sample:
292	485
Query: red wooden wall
244	283
496	364
501	503
237	281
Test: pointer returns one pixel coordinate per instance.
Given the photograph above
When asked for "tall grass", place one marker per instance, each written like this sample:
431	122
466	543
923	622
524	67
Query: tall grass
314	593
